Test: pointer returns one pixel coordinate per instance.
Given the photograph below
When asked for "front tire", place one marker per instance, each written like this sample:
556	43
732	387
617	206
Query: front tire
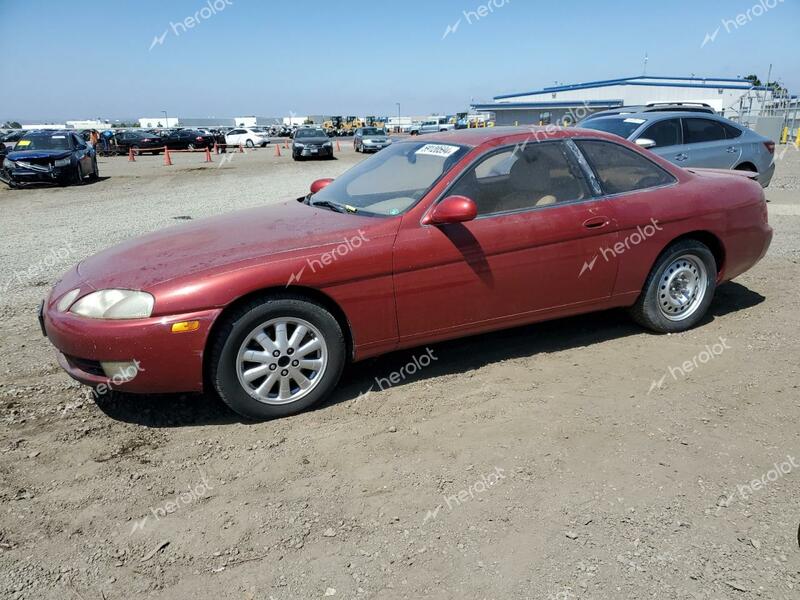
78	175
249	143
679	289
276	356
95	170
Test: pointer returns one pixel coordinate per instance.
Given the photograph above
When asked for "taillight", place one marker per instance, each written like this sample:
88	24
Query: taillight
770	146
200	139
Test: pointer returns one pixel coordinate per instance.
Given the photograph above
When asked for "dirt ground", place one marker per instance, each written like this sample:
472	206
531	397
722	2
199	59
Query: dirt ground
576	459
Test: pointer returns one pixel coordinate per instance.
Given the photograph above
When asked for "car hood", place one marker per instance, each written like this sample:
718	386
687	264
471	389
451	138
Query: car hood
38	154
225	242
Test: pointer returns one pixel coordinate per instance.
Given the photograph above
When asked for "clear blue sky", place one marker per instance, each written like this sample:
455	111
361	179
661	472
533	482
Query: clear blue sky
92	58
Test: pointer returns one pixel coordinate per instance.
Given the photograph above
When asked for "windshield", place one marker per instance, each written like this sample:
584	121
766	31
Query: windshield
44	141
373	131
309	133
621	126
393	180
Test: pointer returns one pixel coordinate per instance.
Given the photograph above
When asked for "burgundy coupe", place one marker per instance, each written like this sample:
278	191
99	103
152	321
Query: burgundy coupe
444	236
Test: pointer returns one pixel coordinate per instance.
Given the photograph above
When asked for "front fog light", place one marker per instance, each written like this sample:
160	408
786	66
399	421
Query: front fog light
121	371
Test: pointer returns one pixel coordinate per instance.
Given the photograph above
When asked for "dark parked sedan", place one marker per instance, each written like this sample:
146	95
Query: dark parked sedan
60	157
188	139
311	142
140	142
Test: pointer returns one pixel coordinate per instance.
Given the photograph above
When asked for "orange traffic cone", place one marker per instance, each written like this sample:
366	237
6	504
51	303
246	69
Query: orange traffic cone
241	149
167	159
285	144
338	147
277	149
131	157
216	148
208	154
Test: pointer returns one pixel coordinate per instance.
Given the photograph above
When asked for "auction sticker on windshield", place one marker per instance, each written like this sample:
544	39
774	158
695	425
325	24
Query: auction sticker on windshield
442	150
24	143
637	121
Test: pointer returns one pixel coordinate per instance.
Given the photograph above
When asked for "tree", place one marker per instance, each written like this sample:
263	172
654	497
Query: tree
754	80
12	125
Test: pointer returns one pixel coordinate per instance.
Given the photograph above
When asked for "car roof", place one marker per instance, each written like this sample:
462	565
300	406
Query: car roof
500	135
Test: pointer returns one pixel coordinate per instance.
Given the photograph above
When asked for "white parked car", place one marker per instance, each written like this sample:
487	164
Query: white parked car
247	136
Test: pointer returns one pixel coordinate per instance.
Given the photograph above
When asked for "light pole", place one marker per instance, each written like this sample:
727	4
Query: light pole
166	119
398	117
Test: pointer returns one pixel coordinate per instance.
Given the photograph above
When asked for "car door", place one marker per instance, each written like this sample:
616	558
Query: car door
234	137
705	145
533	247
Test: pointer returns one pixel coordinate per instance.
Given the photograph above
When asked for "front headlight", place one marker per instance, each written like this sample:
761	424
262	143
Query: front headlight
115	304
62	162
298	145
328	144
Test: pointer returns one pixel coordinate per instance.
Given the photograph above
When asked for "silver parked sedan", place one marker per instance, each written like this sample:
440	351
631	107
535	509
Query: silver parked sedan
689	139
370	139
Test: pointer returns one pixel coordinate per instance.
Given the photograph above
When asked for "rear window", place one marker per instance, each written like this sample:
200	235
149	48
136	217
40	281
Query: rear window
622	170
621	126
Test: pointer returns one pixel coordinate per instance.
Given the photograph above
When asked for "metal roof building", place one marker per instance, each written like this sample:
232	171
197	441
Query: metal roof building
568	103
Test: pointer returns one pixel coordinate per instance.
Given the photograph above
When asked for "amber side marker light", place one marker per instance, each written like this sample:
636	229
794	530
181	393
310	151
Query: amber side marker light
185	326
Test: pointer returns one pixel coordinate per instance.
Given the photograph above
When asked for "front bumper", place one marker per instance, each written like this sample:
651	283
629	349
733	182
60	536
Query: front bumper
311	152
169	362
22	175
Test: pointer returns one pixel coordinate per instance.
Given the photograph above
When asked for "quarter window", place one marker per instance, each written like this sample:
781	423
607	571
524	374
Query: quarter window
697	131
620	169
664	133
541	174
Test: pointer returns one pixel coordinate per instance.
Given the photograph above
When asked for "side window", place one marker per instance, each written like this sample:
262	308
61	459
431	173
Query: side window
731	132
541	174
664	133
696	131
620	169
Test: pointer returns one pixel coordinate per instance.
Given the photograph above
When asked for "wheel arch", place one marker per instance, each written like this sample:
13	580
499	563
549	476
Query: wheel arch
746	166
706	237
312	295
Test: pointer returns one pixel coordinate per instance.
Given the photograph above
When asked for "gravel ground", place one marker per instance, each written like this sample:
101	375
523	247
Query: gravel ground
539	462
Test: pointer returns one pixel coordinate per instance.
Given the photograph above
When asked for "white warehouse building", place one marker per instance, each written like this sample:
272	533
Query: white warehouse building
568	103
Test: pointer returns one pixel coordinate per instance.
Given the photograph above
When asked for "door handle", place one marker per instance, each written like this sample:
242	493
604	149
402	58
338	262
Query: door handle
596	222
731	149
681	157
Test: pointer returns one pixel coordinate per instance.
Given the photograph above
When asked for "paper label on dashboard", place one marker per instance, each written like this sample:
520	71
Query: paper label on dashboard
443	150
637	121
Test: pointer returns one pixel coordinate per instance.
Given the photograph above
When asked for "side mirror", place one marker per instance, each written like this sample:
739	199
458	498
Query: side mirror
645	143
453	209
319	184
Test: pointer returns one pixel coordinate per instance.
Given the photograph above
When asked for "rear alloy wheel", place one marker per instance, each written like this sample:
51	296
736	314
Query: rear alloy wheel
275	357
679	289
136	150
190	147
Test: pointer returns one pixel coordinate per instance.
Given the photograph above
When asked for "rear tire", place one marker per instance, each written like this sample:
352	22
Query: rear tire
678	290
258	385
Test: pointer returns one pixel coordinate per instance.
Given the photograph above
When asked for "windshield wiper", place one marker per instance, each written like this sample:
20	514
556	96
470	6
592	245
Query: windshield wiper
327	204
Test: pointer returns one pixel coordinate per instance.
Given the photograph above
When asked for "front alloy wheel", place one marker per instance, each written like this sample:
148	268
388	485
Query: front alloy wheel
276	356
